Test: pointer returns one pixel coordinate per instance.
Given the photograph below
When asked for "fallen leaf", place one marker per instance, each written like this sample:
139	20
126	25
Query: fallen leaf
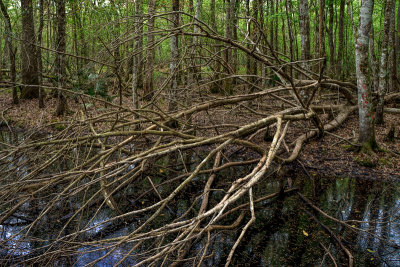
305	233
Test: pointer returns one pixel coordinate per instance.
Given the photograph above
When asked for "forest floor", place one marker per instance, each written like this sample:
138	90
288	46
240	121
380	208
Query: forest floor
330	155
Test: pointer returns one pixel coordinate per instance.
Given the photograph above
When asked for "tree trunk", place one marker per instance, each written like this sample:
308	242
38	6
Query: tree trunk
365	107
29	61
116	44
11	54
235	58
39	54
137	57
372	62
148	83
392	48
216	85
139	43
172	102
341	38
196	69
227	83
271	24
383	72
321	29
61	44
291	43
304	32
398	35
330	36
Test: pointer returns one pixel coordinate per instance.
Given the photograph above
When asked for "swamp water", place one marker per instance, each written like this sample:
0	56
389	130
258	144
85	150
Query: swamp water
286	231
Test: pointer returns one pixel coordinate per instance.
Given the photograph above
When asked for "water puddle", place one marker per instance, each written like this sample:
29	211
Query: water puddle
287	231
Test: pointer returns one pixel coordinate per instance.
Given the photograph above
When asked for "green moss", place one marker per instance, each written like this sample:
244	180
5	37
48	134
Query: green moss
385	162
59	126
366	160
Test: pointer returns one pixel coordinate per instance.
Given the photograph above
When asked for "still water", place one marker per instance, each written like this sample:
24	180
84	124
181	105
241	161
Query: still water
287	231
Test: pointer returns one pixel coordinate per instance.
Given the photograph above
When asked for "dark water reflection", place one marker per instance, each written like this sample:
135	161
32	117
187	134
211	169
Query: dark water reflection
287	232
291	238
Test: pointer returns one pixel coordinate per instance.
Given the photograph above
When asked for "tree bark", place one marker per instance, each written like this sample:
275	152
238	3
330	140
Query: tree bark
251	64
148	83
29	73
383	72
39	54
321	29
384	64
330	35
11	54
215	86
398	37
229	6
139	43
172	103
341	37
392	48
61	44
304	32
372	61
365	107
196	69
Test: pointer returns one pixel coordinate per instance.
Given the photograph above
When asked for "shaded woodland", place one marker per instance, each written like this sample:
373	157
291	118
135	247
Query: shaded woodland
150	132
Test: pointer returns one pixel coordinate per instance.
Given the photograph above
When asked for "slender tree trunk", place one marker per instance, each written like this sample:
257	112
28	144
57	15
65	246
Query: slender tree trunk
321	30
341	38
148	83
271	24
330	36
383	70
235	62
392	48
39	54
372	61
276	26
216	86
139	43
11	54
254	69
136	58
116	43
172	104
248	57
130	45
262	26
291	49
75	46
251	65
304	32
294	32
398	38
196	69
28	53
284	37
365	107
227	83
61	45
